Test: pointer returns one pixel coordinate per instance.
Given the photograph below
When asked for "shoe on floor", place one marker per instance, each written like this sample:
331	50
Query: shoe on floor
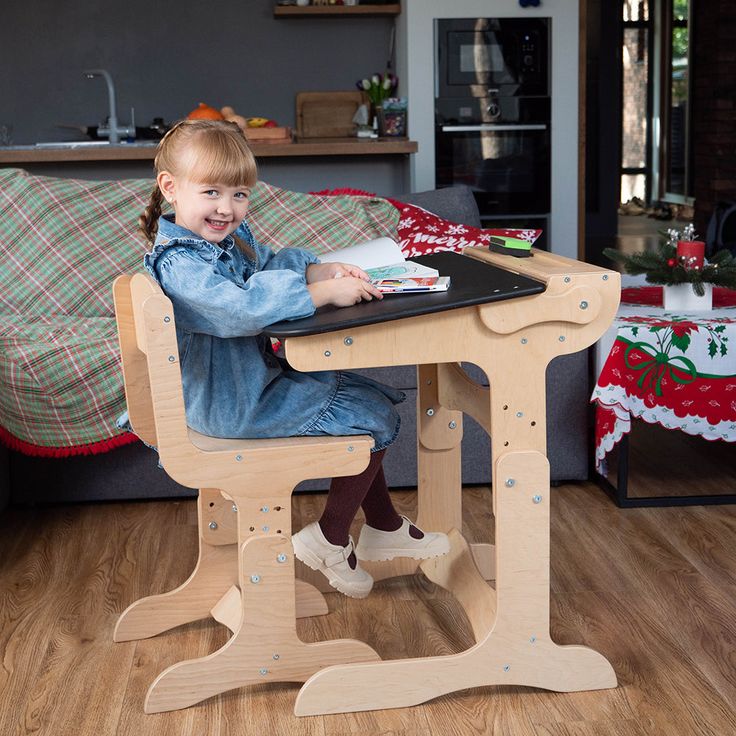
375	544
332	560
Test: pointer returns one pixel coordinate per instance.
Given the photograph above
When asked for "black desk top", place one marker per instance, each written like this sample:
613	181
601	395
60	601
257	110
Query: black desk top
472	282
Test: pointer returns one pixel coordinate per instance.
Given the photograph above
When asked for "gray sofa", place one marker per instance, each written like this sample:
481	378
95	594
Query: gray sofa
132	472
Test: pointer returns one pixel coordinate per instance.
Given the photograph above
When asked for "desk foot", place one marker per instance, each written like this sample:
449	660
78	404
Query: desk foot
403	683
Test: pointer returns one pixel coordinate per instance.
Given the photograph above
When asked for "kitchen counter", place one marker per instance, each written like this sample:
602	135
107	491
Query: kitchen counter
18	155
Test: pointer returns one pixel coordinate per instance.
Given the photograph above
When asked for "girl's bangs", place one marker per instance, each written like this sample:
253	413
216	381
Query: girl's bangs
221	159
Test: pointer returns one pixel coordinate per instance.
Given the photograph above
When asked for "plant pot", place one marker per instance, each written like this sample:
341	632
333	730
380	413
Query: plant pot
682	298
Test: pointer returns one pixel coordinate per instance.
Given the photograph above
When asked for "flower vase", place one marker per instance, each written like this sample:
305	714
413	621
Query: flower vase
682	298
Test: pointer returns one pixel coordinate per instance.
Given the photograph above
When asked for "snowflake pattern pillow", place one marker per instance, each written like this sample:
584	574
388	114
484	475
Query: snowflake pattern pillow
421	232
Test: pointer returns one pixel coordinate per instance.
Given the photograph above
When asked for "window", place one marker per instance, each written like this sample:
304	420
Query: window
636	115
676	182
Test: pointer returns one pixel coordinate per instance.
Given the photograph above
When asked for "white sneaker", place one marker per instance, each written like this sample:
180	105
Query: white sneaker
376	545
311	547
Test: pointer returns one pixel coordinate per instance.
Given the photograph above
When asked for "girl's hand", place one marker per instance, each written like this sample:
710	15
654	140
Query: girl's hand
323	271
342	292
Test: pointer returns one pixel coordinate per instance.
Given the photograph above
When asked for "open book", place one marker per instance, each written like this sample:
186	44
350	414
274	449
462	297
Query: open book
390	272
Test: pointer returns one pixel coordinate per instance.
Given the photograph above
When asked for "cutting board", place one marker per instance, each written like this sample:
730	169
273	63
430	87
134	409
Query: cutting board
268	135
327	114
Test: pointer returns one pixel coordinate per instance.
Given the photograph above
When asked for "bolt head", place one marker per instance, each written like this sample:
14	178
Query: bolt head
255	579
281	557
519	414
506	667
171	358
276	656
264	528
430	412
327	353
510	482
239	458
567	279
348	340
583	305
605	277
264	509
351	448
537	499
532	639
562	338
524	341
235	509
452	424
213	525
167	319
263	671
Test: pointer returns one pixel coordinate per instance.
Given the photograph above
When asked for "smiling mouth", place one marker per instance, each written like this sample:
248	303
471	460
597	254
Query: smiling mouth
217	224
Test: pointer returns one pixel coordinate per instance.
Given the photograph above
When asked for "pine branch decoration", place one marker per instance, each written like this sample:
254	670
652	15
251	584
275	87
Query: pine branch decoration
664	267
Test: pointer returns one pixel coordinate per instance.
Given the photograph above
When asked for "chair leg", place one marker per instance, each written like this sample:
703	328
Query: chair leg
216	570
265	646
215	573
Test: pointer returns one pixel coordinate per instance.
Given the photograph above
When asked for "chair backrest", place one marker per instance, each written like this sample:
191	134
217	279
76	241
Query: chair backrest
150	358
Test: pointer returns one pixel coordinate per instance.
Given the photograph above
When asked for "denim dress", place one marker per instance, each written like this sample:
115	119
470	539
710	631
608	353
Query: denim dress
234	384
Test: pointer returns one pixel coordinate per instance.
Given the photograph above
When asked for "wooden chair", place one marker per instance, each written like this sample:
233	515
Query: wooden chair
244	577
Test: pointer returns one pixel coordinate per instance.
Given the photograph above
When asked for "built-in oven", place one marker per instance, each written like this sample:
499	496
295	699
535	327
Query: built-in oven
492	116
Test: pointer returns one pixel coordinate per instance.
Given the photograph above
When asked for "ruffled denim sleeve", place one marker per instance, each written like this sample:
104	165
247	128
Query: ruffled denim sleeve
207	302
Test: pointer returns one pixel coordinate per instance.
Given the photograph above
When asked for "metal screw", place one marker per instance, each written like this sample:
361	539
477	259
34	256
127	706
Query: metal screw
348	340
429	382
235	509
452	424
583	305
519	414
430	412
537	499
238	457
264	509
327	353
506	667
280	558
171	358
510	482
524	341
213	525
263	671
167	319
264	528
351	448
255	579
567	279
562	338
532	639
605	277
277	656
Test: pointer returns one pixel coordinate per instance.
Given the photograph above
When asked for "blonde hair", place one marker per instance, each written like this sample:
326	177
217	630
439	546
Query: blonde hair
203	151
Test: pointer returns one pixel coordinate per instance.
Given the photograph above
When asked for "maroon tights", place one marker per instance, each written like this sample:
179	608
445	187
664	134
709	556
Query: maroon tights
367	490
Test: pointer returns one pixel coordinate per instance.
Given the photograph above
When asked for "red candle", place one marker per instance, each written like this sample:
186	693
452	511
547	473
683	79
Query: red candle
689	249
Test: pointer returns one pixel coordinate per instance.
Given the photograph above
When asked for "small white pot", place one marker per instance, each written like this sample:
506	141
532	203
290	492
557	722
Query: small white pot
682	298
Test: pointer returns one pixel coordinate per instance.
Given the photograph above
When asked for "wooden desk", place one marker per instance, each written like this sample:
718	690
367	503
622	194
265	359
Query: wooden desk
562	306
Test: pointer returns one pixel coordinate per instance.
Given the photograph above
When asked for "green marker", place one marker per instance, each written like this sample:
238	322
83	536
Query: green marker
510	246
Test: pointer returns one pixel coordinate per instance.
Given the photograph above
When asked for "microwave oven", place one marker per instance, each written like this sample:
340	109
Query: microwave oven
481	57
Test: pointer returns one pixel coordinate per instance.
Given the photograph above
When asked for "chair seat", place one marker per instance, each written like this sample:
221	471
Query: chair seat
305	444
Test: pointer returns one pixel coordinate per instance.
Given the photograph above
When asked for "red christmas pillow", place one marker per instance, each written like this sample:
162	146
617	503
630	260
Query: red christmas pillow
421	232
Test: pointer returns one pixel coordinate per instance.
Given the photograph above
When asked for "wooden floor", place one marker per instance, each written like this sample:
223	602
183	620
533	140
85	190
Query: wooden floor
653	589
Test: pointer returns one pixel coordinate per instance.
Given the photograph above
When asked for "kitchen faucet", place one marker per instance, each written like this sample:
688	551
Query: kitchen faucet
112	130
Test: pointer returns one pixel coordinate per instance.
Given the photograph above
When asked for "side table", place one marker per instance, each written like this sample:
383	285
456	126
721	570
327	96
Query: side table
675	370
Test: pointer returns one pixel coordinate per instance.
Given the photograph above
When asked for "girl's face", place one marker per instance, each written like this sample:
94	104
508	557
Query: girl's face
212	211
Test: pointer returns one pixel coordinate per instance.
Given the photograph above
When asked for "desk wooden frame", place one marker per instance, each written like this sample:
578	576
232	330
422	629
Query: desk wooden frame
245	574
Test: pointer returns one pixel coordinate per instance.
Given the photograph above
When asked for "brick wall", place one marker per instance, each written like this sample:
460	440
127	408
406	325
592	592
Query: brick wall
714	107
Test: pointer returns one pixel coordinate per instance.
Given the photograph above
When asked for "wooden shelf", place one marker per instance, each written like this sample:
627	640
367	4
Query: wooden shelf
334	11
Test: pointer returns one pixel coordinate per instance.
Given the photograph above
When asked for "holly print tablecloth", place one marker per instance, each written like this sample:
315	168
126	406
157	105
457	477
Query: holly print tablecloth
676	370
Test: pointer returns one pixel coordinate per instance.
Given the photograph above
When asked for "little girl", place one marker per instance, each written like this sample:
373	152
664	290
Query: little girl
225	288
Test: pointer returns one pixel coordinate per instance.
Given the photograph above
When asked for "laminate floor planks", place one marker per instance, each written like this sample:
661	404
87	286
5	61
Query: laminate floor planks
654	590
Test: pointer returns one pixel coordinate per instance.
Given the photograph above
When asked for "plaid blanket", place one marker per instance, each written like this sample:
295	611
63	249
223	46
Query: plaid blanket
62	243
